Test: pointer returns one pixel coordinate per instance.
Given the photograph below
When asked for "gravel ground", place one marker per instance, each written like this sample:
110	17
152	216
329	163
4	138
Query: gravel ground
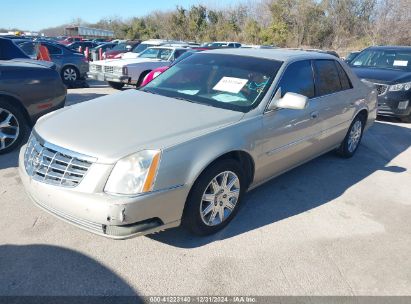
330	227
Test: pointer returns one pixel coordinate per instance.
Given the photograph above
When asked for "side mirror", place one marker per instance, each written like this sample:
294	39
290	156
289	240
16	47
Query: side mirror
290	100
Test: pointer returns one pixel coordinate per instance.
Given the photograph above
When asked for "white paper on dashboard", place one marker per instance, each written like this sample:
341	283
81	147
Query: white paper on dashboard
400	63
230	84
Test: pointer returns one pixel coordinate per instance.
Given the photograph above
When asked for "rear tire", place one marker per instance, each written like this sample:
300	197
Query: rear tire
70	74
406	119
13	127
215	198
116	85
353	138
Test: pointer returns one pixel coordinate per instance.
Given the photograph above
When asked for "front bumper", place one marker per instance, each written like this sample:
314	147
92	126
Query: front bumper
109	77
116	217
389	104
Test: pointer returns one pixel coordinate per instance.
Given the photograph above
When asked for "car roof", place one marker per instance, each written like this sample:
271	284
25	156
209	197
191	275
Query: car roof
390	47
168	47
275	54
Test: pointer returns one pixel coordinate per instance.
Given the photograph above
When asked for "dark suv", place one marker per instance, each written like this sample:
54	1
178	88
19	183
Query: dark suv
389	68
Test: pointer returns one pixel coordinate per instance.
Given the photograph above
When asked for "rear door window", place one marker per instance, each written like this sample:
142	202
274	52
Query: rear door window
298	78
327	79
345	81
53	50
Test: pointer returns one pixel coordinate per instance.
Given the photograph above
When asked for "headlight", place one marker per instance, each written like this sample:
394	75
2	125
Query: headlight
400	87
118	70
134	174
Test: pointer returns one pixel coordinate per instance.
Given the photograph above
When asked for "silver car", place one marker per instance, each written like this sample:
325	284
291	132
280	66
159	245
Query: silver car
185	148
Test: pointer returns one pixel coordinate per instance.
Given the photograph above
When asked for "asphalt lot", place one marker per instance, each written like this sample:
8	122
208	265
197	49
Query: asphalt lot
330	227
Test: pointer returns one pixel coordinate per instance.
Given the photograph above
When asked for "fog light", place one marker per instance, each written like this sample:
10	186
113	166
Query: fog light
403	105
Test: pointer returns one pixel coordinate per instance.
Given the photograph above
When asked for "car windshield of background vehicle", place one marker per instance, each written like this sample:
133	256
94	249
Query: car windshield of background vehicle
183	56
141	47
384	59
226	81
120	47
163	54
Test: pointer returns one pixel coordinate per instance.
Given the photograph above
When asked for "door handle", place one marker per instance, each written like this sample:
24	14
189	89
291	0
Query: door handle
314	114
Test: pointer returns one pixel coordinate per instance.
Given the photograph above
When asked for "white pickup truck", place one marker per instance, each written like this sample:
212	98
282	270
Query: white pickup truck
118	72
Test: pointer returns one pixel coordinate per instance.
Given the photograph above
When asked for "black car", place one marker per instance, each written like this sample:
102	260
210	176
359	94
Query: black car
9	50
28	90
389	68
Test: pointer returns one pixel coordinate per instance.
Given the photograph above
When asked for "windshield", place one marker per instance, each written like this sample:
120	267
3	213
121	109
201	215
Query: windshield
163	54
120	47
384	59
141	47
225	81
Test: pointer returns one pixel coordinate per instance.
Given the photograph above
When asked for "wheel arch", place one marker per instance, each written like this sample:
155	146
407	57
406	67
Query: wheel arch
141	77
244	158
15	101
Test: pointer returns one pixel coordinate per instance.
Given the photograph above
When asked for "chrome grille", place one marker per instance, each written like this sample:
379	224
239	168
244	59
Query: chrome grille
381	88
95	68
50	164
109	69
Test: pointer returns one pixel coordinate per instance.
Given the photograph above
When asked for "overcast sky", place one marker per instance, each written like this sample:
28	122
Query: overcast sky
35	15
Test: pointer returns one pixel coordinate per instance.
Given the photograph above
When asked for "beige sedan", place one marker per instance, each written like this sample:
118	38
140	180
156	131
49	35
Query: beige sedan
185	148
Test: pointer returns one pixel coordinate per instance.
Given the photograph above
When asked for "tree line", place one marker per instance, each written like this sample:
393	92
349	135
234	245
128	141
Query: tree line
332	24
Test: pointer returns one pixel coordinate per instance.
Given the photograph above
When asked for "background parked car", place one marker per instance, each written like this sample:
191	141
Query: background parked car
69	40
349	58
83	44
389	68
151	43
72	65
9	50
28	90
117	73
94	52
121	48
154	73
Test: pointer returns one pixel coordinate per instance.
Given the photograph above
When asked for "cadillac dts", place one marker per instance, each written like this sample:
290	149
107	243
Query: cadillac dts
185	148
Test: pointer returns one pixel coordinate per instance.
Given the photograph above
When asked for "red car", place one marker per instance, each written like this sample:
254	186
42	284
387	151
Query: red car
154	73
70	40
120	48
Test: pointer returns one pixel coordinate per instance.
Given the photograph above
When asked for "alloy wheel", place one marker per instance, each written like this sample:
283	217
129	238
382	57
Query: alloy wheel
9	128
354	136
220	198
70	74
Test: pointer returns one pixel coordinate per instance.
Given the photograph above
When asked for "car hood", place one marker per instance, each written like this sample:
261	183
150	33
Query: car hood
117	125
129	55
123	62
386	76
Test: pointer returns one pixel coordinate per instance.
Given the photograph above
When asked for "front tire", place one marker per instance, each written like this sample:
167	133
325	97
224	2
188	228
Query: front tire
215	197
353	138
116	85
13	127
